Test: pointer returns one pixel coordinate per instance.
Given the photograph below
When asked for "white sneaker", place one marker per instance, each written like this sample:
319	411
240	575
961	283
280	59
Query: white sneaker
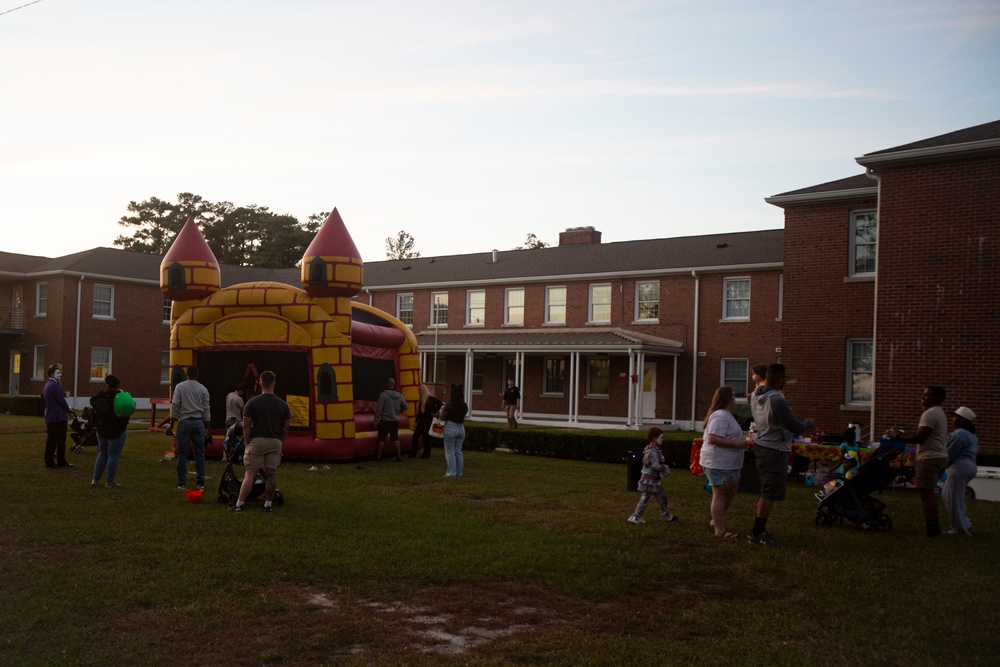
636	520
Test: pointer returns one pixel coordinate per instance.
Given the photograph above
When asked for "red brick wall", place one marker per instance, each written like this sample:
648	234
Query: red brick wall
938	314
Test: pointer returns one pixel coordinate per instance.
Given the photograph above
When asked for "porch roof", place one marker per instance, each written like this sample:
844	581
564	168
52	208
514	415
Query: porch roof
596	340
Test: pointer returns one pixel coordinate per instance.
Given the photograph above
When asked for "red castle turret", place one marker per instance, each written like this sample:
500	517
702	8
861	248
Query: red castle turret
331	265
189	271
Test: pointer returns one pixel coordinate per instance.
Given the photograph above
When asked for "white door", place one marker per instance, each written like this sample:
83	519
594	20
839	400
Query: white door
649	391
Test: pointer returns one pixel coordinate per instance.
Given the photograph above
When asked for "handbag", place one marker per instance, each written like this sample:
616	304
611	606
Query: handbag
437	428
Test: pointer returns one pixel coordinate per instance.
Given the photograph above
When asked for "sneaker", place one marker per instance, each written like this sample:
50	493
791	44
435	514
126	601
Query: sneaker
636	520
268	510
181	487
237	508
200	487
112	485
953	531
669	518
764	539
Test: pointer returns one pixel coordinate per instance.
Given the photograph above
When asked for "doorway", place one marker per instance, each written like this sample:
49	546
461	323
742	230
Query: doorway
648	391
15	372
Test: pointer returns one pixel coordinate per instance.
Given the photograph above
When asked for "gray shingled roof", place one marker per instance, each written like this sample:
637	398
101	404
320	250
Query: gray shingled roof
858	182
591	339
984	132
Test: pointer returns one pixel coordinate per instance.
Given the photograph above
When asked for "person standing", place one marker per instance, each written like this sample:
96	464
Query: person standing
963	448
510	403
426	409
111	432
56	419
654	469
189	407
453	414
234	404
390	404
266	419
932	453
776	426
722	456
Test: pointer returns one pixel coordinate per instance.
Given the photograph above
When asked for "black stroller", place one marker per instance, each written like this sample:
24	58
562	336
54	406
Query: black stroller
853	500
83	430
229	484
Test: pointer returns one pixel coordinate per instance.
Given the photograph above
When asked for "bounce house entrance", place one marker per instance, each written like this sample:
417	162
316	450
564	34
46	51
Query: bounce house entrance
220	371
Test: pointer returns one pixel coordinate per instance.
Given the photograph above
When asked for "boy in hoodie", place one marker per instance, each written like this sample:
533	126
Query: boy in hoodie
390	404
776	425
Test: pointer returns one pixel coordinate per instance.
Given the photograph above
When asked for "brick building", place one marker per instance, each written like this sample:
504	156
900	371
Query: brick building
886	285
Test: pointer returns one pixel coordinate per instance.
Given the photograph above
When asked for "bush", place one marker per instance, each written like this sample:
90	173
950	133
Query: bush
29	406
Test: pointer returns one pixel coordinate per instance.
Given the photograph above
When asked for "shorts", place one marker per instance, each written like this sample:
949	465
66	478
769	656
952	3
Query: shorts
388	428
263	453
928	472
718	476
772	466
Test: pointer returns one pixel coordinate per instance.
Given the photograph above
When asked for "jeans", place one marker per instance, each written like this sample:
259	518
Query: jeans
190	432
109	452
454	436
960	473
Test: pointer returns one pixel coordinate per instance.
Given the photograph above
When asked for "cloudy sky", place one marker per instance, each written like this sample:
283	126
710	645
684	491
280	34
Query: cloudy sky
469	123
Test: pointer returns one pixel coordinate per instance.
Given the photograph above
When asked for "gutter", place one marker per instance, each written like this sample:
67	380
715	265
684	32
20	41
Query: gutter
822	197
694	348
985	146
878	216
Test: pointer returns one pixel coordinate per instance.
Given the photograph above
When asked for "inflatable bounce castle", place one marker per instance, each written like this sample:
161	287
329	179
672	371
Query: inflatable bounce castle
332	356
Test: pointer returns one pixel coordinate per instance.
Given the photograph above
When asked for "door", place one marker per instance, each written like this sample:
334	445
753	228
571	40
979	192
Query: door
648	391
15	372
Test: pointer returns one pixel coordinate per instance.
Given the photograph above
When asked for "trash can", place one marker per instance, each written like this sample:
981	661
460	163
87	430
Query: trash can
634	464
749	478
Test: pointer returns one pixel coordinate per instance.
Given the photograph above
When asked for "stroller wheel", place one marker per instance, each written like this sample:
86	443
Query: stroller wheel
223	499
885	522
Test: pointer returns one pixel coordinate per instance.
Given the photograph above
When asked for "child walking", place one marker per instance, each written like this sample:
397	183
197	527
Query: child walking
654	469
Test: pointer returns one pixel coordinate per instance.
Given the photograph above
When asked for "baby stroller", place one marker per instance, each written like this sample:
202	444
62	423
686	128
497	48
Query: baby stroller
83	431
229	484
853	500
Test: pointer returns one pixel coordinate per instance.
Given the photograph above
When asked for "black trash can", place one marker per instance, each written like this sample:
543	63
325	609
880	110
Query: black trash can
634	463
749	478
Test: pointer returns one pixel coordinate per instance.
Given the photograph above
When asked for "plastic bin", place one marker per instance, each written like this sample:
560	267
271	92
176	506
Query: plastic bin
634	464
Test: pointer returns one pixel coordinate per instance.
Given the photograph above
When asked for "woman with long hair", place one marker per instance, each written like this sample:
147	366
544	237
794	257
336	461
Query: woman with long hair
453	414
722	456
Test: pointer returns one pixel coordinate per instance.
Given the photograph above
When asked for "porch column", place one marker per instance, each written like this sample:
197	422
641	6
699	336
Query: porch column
629	420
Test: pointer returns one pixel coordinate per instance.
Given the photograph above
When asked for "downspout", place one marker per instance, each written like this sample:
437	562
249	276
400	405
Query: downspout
694	351
76	351
870	173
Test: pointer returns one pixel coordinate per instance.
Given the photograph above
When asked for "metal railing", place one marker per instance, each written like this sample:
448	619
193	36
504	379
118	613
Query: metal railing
11	318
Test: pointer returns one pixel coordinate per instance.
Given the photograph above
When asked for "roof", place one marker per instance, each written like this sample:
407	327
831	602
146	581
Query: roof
592	340
851	188
977	140
648	257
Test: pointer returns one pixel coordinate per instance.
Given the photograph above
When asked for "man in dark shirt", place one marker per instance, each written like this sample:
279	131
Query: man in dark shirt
511	399
266	419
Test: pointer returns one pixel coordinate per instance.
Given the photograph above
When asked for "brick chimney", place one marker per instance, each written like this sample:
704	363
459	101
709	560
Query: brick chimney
579	236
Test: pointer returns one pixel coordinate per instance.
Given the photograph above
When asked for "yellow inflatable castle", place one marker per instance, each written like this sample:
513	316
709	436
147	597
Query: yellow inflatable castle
332	356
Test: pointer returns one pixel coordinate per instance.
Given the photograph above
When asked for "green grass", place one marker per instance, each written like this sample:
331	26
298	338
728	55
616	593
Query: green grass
523	561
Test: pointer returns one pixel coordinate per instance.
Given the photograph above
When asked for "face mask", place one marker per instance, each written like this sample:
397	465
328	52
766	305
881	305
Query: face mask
659	439
57	375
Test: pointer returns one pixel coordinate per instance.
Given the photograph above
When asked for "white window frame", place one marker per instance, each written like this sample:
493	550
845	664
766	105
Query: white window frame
38	363
439	309
740	388
513	313
96	364
471	309
851	372
109	302
41	299
638	304
852	268
477	374
605	361
555	312
592	303
726	300
167	305
547	390
400	310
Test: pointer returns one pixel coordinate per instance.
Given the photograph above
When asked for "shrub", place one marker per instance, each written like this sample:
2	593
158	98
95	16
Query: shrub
30	406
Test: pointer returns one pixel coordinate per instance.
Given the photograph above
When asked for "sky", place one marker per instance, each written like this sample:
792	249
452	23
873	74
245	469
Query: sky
469	124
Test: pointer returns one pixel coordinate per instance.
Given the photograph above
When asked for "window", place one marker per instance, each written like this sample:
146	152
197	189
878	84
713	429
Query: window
600	303
781	292
404	309
555	369
860	366
439	309
100	363
477	375
736	304
864	235
513	307
555	305
41	300
735	373
475	307
104	301
39	372
509	372
647	301
436	372
166	310
598	376
164	367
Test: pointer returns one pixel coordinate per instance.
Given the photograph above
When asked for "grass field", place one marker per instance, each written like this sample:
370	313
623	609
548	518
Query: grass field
524	561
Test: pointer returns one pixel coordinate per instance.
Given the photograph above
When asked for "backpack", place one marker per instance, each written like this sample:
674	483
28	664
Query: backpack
100	407
124	404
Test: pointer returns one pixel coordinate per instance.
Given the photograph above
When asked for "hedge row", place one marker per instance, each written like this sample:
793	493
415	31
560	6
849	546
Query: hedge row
31	406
